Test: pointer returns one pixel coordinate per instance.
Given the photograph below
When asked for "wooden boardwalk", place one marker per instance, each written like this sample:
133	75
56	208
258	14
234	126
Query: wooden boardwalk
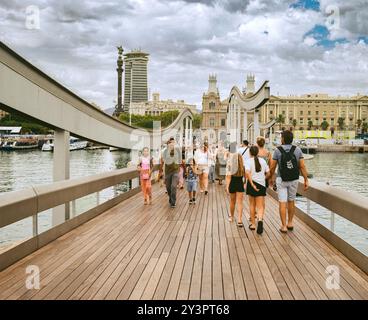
134	251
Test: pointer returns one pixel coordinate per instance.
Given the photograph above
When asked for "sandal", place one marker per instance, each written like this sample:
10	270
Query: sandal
283	231
290	228
252	227
240	224
260	227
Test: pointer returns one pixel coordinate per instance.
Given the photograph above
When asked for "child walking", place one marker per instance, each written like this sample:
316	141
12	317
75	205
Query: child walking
191	178
145	167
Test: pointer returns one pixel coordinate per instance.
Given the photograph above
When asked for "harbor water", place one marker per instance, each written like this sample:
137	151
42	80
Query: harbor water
21	170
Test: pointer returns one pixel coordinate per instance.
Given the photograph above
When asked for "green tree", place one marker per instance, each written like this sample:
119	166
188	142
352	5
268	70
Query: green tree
28	125
341	121
197	121
295	122
310	124
146	121
365	127
280	119
359	123
324	125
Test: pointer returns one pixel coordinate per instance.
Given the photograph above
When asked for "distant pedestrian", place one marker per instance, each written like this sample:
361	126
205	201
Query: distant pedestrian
257	171
211	175
171	160
145	167
181	174
290	162
202	158
220	164
244	150
266	155
191	179
235	177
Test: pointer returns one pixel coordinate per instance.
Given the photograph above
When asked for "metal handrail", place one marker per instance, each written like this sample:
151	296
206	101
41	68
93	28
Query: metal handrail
351	206
18	205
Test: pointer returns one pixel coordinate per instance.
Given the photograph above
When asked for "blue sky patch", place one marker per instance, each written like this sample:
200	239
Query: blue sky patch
306	4
321	33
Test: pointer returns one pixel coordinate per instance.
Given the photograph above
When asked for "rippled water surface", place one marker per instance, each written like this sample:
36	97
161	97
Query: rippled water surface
20	170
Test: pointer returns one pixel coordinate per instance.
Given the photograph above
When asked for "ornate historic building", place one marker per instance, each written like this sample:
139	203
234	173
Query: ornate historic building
213	109
297	111
313	109
157	106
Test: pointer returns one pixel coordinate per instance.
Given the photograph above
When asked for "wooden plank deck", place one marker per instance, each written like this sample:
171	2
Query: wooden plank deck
134	251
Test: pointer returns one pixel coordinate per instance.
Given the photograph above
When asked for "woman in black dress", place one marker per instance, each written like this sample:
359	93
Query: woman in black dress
235	177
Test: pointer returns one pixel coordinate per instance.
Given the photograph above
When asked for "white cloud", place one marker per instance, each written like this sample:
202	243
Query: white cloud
187	40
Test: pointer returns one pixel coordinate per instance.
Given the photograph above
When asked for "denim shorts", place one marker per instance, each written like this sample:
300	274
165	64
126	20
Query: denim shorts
286	190
191	185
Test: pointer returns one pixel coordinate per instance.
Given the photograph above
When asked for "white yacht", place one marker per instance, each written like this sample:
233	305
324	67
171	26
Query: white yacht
74	144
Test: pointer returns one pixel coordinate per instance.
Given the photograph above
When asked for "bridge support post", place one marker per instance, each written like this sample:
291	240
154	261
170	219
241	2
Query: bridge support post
186	132
134	155
61	171
190	132
271	136
245	125
256	126
238	125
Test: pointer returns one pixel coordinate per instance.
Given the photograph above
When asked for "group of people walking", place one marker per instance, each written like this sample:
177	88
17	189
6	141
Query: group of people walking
249	169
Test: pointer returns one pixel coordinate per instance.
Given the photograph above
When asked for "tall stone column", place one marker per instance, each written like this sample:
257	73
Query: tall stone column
119	106
61	171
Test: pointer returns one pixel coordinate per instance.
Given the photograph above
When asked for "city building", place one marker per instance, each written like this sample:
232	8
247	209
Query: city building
157	106
308	111
213	108
135	82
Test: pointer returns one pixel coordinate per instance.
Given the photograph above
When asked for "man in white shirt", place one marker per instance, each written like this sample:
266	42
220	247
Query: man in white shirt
244	151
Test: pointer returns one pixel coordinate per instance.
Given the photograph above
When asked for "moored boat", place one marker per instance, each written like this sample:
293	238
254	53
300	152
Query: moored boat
74	144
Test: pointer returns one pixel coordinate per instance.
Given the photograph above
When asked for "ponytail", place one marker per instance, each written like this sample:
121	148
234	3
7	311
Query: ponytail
254	152
257	163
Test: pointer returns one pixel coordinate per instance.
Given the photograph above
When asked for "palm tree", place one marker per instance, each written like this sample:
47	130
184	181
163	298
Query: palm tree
340	121
310	124
294	123
280	120
324	125
359	124
365	127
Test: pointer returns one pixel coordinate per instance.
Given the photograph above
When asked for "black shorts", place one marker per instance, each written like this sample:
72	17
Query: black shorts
254	193
236	184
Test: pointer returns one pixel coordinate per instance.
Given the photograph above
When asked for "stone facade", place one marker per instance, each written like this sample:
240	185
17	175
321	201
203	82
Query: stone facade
317	107
157	106
213	109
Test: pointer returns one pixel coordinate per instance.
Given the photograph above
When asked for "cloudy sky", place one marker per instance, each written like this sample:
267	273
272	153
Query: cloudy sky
300	46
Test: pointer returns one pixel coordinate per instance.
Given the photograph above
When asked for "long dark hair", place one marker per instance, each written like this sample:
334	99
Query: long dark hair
254	152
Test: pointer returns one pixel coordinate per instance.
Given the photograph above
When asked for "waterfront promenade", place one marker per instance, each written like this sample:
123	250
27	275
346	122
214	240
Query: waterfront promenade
133	251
